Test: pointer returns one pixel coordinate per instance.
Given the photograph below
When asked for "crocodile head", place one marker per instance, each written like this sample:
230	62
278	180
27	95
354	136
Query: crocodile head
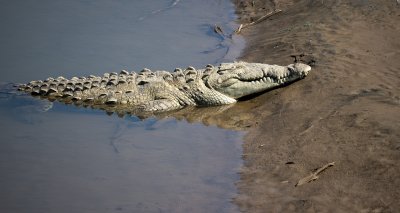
240	79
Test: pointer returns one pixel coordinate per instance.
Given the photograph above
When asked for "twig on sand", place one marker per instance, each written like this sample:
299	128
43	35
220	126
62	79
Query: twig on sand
219	31
314	175
242	26
237	31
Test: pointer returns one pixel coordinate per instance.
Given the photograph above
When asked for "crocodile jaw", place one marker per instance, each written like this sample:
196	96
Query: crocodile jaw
242	79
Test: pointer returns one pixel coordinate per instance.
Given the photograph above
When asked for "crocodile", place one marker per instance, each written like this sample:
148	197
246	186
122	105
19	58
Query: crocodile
158	91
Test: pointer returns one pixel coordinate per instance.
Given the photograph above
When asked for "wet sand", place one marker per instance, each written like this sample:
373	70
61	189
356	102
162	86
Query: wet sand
346	111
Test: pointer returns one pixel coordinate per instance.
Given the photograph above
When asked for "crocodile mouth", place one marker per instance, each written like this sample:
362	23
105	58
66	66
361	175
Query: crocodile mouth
242	85
268	78
289	75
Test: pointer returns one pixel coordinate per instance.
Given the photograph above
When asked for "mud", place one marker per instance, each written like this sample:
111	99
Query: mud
346	111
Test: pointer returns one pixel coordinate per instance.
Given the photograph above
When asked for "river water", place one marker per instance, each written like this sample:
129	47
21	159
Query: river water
61	158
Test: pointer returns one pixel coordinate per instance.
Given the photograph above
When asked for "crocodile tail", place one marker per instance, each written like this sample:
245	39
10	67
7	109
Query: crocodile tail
102	89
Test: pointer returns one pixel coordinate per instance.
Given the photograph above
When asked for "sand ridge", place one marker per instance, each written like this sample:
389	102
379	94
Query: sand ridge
346	111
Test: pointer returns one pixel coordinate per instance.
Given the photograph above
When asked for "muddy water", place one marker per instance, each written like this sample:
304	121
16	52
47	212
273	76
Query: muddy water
60	158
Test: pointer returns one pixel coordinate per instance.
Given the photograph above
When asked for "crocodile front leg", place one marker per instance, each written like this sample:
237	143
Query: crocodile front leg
160	105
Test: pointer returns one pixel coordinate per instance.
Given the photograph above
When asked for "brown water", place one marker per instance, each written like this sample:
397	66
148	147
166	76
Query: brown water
61	158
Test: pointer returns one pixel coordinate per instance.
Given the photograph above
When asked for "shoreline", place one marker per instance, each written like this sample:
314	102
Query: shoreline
346	111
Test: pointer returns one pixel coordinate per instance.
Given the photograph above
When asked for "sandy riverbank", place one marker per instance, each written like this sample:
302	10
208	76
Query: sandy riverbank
346	111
